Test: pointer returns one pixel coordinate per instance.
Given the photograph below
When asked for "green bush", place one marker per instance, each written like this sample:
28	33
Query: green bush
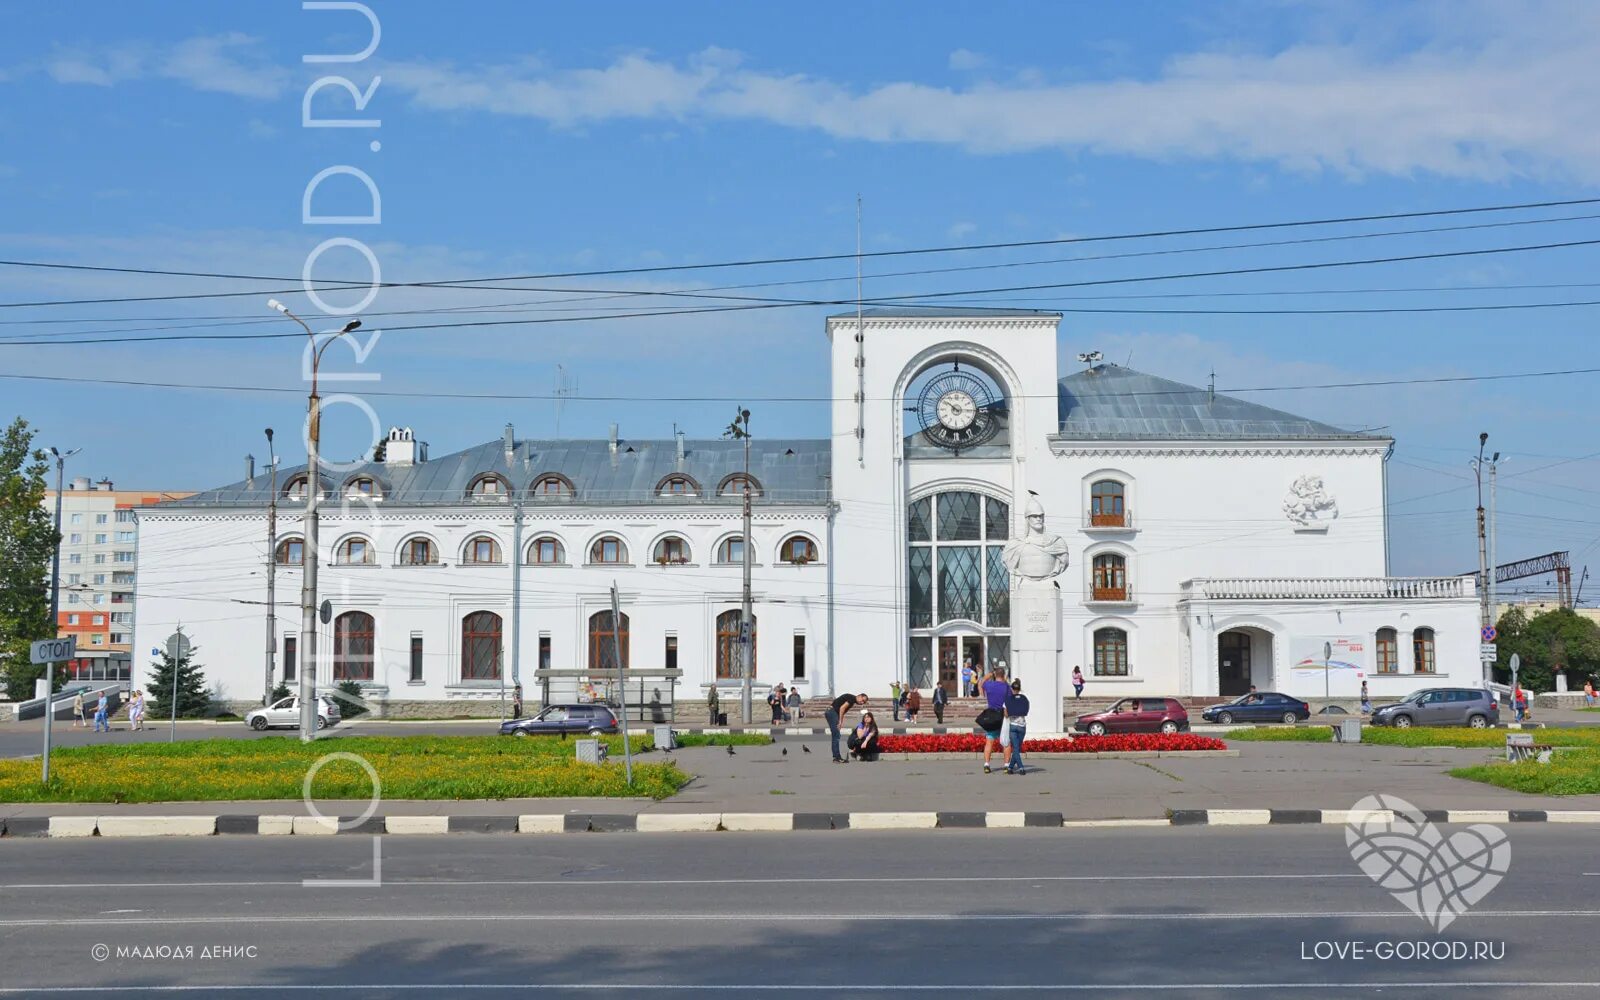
354	703
1417	736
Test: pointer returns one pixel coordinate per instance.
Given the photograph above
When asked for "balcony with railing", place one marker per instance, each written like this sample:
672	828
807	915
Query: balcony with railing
1331	588
1108	521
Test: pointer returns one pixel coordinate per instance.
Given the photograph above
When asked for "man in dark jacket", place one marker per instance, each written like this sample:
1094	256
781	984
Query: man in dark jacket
1017	722
941	698
837	711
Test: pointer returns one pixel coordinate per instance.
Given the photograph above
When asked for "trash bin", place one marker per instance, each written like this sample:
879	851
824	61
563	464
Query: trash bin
1347	731
591	752
663	738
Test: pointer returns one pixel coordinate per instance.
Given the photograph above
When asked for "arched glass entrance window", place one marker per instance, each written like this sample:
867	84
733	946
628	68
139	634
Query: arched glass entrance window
605	641
955	575
480	646
728	644
352	646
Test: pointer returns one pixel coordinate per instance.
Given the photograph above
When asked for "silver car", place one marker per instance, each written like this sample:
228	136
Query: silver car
286	712
1474	707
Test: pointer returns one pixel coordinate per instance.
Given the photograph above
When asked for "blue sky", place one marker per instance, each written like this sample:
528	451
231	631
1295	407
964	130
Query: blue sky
522	138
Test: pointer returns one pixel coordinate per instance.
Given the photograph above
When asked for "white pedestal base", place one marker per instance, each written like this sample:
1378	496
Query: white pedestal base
1036	653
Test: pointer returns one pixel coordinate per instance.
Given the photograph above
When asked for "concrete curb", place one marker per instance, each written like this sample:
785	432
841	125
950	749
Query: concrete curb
713	822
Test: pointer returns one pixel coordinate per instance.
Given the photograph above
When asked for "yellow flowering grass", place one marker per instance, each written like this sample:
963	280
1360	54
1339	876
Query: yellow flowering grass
408	767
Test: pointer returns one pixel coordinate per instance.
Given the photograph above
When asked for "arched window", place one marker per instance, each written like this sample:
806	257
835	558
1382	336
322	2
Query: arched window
354	552
797	549
738	484
1422	650
546	550
728	644
1110	652
1110	577
1388	651
419	552
604	642
551	487
480	646
1106	504
671	551
677	486
481	550
608	549
291	552
488	487
295	489
955	565
352	646
363	486
731	550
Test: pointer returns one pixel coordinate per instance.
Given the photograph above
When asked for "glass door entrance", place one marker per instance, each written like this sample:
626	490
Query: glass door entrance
955	653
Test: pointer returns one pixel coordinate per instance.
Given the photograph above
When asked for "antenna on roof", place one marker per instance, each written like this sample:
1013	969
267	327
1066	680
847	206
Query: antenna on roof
1089	358
1211	388
566	388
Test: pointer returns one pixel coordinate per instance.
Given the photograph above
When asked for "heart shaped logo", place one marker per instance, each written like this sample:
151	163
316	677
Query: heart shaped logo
1437	877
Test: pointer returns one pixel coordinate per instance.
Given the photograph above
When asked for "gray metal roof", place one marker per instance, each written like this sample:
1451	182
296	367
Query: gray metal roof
1108	402
794	471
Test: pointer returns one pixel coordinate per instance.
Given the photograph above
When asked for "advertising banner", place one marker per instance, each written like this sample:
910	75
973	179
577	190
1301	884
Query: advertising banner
1345	668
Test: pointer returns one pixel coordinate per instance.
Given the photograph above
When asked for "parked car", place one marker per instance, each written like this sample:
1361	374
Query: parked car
1473	707
586	718
1258	706
286	712
1136	715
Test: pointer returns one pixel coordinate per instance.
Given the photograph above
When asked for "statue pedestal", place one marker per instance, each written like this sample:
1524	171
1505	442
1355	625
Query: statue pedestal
1036	653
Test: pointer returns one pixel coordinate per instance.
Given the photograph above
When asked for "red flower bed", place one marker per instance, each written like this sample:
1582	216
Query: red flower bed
972	743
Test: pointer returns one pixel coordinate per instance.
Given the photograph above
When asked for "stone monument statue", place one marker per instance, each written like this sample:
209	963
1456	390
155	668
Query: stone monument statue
1037	555
1035	560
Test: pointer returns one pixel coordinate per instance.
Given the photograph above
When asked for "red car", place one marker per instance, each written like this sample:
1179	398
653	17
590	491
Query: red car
1136	715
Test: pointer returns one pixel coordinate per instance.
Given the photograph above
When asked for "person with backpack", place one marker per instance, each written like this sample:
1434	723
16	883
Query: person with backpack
1016	709
941	698
913	705
993	718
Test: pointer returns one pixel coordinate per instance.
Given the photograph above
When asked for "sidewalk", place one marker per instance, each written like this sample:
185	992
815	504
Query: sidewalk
761	779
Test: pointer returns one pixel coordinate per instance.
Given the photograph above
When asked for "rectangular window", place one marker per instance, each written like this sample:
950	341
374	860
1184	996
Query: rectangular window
100	599
72	598
74	538
75	559
124	517
99	579
670	656
124	557
124	536
72	619
799	656
289	645
544	652
416	656
122	578
97	639
101	518
77	519
100	538
100	559
98	620
74	577
118	638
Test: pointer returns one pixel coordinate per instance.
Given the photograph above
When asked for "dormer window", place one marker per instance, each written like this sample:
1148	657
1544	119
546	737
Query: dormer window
677	486
296	488
488	487
738	486
364	486
551	487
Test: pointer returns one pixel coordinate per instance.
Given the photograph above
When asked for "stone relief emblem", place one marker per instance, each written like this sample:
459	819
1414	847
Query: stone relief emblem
1309	504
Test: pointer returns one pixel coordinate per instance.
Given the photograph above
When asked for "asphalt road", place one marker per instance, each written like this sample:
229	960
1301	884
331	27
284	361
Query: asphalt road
1190	912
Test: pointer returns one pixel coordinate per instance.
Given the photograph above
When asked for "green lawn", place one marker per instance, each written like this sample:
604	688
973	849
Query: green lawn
1571	772
1417	736
408	767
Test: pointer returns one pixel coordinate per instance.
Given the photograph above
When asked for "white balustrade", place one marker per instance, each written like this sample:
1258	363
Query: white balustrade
1311	588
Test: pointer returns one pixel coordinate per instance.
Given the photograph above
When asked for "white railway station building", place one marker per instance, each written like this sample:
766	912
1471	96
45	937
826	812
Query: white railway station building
1213	544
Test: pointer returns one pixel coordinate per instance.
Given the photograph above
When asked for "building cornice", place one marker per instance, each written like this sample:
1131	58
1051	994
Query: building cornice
1110	448
568	514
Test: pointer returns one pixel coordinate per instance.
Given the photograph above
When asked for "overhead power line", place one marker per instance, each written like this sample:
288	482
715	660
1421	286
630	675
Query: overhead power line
913	299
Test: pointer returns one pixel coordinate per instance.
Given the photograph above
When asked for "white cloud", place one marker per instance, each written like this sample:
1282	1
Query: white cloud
1517	98
230	63
961	229
966	59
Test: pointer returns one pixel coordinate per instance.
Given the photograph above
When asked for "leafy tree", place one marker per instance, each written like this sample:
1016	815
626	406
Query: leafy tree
194	698
1559	638
27	540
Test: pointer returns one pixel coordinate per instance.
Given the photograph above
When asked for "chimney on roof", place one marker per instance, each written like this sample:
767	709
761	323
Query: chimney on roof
613	439
80	483
402	448
249	472
510	443
104	484
679	436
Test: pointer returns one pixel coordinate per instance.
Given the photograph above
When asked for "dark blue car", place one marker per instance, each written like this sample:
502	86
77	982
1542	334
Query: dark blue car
1259	706
588	718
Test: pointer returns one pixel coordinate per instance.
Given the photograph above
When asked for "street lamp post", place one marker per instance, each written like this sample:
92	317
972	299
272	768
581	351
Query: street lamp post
55	608
740	429
272	571
308	587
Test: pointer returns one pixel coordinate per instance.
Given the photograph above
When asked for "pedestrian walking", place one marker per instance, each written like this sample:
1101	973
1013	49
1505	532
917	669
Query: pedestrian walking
941	698
775	703
913	705
992	719
835	714
1588	693
516	702
796	705
1077	682
1366	702
78	720
136	710
894	698
1519	702
100	710
1017	723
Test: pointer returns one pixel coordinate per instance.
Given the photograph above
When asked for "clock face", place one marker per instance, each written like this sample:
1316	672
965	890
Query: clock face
959	409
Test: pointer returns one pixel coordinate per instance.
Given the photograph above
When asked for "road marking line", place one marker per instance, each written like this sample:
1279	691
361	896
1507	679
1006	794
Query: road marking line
778	918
